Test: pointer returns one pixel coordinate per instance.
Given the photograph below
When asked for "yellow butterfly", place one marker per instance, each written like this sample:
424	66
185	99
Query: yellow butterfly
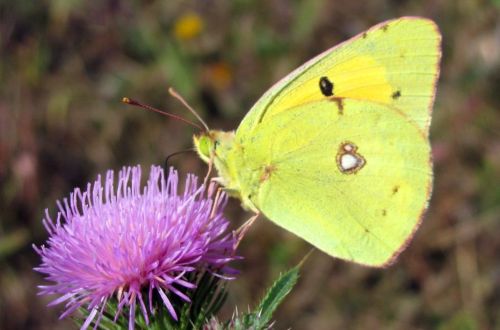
337	152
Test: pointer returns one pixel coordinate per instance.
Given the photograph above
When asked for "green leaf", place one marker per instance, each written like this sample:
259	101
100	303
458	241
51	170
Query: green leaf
261	317
275	295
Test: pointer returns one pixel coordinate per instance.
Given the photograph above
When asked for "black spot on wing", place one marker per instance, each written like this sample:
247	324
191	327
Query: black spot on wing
396	95
395	190
326	86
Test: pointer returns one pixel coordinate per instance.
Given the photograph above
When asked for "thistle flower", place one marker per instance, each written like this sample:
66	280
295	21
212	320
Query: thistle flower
112	241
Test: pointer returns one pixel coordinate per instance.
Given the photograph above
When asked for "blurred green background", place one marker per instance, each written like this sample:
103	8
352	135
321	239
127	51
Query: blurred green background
65	64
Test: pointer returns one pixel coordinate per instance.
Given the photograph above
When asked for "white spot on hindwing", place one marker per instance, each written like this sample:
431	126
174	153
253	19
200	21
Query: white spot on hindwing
349	161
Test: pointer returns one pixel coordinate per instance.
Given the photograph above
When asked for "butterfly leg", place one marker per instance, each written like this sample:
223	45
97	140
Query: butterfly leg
240	232
216	202
210	166
218	180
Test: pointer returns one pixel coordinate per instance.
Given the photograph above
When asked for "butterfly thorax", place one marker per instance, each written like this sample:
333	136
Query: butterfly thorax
220	148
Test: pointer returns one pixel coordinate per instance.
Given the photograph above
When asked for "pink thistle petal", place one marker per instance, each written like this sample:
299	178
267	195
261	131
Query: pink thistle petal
167	303
143	309
180	294
89	319
131	318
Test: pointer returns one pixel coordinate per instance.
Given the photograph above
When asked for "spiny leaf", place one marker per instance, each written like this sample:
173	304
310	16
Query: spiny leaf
275	295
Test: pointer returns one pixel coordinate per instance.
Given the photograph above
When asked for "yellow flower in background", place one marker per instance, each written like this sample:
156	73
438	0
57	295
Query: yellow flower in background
188	26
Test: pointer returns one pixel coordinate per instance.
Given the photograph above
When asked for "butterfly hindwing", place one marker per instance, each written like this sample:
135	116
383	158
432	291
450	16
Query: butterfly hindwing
353	182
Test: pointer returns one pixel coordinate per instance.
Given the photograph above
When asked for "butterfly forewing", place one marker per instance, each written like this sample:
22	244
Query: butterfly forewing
394	63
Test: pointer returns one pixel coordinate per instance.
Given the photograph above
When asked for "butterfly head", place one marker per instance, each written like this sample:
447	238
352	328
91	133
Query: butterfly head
204	145
213	144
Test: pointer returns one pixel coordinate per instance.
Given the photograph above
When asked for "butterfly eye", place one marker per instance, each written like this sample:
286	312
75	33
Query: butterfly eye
326	86
216	144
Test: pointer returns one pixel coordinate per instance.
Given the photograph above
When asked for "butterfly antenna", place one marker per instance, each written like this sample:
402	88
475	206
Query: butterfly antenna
178	97
167	159
135	103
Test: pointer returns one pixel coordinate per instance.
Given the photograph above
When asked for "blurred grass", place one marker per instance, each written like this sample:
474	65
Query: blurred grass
66	64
